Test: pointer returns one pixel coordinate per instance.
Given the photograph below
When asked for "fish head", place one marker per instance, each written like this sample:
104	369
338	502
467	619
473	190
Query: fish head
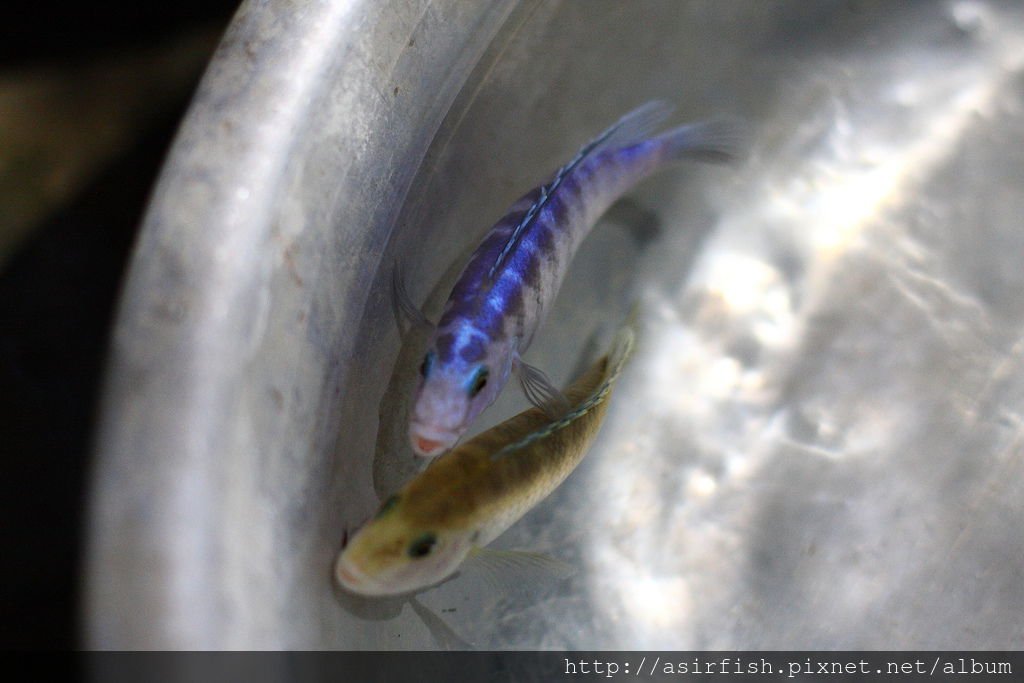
394	554
457	382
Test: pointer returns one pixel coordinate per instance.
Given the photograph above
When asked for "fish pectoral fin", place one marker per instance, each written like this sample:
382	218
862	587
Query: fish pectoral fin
506	570
401	302
539	390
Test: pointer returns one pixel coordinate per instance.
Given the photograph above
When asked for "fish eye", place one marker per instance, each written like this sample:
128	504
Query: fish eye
422	546
428	362
479	381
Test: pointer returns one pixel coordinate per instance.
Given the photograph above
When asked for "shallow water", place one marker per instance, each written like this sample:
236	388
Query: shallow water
819	441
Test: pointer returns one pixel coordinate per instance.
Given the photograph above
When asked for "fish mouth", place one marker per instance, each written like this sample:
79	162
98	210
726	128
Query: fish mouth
351	579
428	443
347	575
356	582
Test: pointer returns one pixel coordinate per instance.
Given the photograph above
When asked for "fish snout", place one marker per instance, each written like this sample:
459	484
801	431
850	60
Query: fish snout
348	576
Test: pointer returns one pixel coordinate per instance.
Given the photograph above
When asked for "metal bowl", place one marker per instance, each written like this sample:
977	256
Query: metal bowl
818	444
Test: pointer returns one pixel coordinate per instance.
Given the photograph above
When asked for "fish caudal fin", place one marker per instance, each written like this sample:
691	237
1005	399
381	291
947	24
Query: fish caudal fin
719	140
622	345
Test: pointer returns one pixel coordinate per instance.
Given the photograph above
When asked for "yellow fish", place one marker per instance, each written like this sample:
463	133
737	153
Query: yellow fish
469	496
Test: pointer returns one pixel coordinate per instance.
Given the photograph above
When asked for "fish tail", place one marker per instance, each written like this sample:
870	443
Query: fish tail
622	347
620	352
718	140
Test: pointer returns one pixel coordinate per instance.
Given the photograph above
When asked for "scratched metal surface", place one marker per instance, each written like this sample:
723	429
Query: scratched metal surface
818	443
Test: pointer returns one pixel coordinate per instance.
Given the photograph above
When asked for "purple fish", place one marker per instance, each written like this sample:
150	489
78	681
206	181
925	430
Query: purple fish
506	289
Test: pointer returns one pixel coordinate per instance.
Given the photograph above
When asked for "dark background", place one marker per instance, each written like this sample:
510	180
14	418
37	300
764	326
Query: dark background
90	97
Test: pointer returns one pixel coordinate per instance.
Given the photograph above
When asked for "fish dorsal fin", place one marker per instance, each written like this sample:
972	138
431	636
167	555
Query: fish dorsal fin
630	129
